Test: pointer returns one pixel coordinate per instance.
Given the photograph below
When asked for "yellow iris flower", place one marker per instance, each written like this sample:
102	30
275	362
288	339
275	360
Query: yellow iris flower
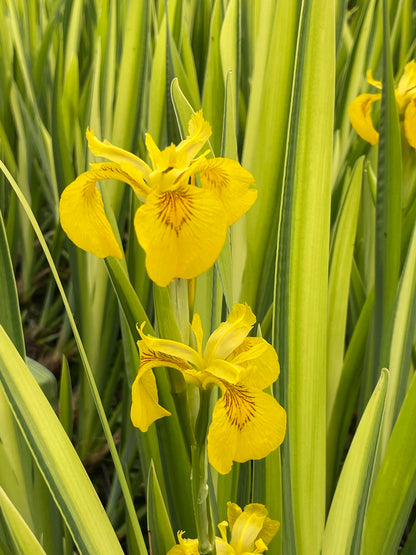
181	227
360	109
247	423
251	532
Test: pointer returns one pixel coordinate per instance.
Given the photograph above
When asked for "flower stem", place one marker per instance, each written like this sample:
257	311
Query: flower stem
200	492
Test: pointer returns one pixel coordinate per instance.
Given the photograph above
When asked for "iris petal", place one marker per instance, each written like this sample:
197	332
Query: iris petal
231	182
115	153
372	81
233	512
182	232
82	213
231	333
198	331
247	527
199	132
260	361
145	408
360	116
410	123
246	424
165	350
407	83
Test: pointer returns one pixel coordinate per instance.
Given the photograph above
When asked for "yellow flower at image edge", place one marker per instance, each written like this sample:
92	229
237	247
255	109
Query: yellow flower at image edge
181	227
251	532
247	423
360	108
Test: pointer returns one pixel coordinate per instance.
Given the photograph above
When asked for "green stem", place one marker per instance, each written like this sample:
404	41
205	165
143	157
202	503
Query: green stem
200	491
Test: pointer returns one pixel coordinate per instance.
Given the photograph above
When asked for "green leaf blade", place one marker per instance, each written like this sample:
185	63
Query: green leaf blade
55	455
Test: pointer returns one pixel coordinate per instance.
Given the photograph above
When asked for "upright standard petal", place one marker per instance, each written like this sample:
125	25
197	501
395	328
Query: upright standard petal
360	116
199	132
246	424
245	524
165	161
181	231
198	332
247	527
83	217
231	333
232	183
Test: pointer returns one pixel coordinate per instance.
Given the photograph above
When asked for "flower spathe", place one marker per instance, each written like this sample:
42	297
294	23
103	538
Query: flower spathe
360	108
182	227
247	423
251	532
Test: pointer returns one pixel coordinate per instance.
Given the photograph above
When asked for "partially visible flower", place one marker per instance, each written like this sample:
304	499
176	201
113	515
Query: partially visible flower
247	423
181	227
360	108
251	532
185	546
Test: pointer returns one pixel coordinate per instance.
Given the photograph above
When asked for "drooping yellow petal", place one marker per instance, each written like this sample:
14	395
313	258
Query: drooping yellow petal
410	123
145	408
360	116
164	350
246	424
182	232
199	132
115	154
82	213
230	334
131	175
232	183
260	361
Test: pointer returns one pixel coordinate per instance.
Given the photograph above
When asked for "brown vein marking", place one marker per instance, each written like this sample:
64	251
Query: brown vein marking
175	209
239	405
217	177
163	359
107	171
